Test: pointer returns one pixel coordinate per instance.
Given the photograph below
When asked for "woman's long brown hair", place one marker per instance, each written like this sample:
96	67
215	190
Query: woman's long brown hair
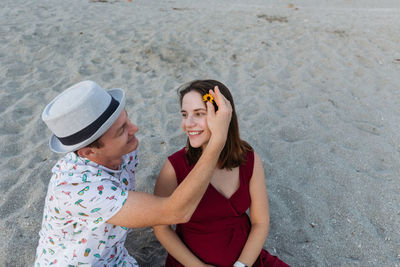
235	149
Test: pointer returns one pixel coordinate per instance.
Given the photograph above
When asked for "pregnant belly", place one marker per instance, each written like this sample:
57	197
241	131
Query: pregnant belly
220	247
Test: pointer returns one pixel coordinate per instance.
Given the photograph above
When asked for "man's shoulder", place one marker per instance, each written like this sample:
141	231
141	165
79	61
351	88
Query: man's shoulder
70	160
72	169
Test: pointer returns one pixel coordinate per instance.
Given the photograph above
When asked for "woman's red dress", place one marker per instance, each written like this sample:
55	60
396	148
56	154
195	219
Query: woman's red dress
219	227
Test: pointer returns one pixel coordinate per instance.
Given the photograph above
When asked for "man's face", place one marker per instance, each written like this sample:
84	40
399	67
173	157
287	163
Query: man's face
117	141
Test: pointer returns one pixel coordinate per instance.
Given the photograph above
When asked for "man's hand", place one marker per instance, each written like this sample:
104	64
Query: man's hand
218	122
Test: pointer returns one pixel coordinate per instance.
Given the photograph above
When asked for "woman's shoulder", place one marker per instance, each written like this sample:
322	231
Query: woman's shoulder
178	157
180	154
248	166
179	163
250	154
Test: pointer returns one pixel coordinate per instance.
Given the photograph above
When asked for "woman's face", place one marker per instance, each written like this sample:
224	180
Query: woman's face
194	119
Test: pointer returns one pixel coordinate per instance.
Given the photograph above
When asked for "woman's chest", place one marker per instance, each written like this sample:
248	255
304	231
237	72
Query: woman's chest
214	205
226	181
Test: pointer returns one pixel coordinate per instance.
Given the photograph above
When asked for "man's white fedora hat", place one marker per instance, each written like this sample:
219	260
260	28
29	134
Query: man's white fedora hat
81	114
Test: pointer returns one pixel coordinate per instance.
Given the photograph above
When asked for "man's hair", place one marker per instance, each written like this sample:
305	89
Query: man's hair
235	149
96	144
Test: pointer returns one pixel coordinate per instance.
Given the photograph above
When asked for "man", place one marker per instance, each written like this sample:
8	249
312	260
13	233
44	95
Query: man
91	202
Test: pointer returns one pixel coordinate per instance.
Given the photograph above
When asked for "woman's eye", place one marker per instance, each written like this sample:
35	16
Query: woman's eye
184	115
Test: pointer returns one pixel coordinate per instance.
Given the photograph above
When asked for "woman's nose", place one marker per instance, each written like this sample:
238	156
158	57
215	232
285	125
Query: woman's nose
189	121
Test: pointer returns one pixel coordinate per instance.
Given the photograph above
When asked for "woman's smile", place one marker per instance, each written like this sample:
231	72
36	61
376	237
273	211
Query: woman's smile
192	133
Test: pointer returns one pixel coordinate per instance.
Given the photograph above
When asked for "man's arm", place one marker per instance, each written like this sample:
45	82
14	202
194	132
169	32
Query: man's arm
142	209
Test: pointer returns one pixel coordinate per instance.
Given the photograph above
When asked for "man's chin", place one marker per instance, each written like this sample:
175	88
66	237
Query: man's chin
133	145
133	141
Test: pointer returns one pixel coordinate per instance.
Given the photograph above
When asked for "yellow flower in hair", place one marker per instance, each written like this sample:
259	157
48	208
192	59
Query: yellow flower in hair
208	97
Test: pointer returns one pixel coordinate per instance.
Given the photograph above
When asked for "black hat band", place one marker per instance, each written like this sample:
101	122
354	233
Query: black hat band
89	130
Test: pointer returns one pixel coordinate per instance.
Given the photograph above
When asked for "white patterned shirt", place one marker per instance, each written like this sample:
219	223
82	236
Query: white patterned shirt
81	197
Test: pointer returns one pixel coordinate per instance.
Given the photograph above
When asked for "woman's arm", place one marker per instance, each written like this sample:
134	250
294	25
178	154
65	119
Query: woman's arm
259	215
165	185
172	243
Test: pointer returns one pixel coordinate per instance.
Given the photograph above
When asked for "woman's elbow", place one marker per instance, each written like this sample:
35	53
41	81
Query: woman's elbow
262	227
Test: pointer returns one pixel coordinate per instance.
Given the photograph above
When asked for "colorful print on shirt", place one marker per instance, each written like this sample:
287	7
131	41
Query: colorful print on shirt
81	197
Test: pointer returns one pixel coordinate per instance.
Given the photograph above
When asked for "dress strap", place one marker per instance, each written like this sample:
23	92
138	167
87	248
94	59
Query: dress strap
179	162
248	167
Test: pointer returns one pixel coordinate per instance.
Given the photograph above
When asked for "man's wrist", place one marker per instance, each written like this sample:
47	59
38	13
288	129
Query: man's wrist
239	264
218	140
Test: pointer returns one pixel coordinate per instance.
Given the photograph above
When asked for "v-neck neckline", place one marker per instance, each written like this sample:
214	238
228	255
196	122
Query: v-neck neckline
234	193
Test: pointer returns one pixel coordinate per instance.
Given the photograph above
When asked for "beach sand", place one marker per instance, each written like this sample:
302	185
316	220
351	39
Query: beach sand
316	87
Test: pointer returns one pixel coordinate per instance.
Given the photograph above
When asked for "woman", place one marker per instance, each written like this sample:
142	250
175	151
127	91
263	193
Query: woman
219	233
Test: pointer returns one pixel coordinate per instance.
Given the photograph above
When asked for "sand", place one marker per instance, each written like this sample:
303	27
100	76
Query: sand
316	85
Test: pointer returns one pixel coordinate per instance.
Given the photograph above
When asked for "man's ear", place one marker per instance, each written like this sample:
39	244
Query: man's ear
85	152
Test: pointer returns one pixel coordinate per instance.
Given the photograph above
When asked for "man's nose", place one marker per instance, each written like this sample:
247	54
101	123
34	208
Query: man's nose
133	128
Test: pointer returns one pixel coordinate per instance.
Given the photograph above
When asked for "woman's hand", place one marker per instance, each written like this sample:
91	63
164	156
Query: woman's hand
218	122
